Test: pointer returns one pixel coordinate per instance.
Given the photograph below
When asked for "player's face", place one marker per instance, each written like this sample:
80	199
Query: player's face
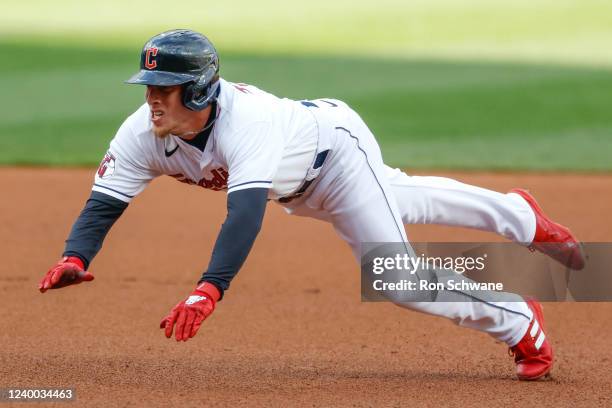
168	115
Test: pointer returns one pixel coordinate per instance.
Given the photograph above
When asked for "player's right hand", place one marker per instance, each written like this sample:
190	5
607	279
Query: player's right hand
189	314
70	270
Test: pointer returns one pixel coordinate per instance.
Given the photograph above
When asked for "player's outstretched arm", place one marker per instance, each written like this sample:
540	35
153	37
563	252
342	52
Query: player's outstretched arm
245	212
85	240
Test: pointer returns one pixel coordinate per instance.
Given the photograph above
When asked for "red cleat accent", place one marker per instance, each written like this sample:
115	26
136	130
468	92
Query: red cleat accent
533	355
553	239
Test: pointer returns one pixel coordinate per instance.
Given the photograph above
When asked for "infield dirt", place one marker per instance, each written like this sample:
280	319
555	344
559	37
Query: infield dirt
291	331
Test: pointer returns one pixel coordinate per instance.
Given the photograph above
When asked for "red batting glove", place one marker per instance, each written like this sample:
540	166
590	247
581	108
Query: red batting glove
70	270
189	314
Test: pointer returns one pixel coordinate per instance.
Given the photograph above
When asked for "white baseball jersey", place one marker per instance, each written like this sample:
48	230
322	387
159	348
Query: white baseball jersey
258	140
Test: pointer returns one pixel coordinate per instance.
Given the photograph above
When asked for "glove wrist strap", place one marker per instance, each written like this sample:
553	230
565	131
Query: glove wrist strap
209	289
74	260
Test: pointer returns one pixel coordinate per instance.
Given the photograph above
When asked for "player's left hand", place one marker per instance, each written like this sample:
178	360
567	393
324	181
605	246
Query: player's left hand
189	314
69	270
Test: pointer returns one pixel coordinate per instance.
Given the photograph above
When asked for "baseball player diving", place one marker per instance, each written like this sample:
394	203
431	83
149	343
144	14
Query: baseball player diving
316	158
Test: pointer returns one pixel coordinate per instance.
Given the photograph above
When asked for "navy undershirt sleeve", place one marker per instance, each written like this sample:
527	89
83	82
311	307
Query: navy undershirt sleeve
89	230
245	213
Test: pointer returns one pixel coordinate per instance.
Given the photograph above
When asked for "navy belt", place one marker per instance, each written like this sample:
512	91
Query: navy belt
319	160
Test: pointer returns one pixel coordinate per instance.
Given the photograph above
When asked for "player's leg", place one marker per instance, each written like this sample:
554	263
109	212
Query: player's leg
516	215
355	193
444	201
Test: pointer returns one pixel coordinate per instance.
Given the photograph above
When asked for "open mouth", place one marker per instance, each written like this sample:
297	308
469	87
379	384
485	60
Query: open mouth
156	115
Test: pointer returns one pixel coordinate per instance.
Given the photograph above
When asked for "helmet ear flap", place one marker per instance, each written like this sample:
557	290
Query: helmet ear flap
197	95
192	92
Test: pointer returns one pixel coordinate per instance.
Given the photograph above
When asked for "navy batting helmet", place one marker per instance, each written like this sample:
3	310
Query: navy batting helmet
181	57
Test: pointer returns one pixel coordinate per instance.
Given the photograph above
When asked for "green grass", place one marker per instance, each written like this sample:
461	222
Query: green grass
62	105
574	31
471	84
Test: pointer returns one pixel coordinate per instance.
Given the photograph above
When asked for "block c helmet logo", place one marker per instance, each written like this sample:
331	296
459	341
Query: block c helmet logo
150	62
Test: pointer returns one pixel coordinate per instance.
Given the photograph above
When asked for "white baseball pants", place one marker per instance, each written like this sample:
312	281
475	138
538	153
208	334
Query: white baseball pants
367	201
